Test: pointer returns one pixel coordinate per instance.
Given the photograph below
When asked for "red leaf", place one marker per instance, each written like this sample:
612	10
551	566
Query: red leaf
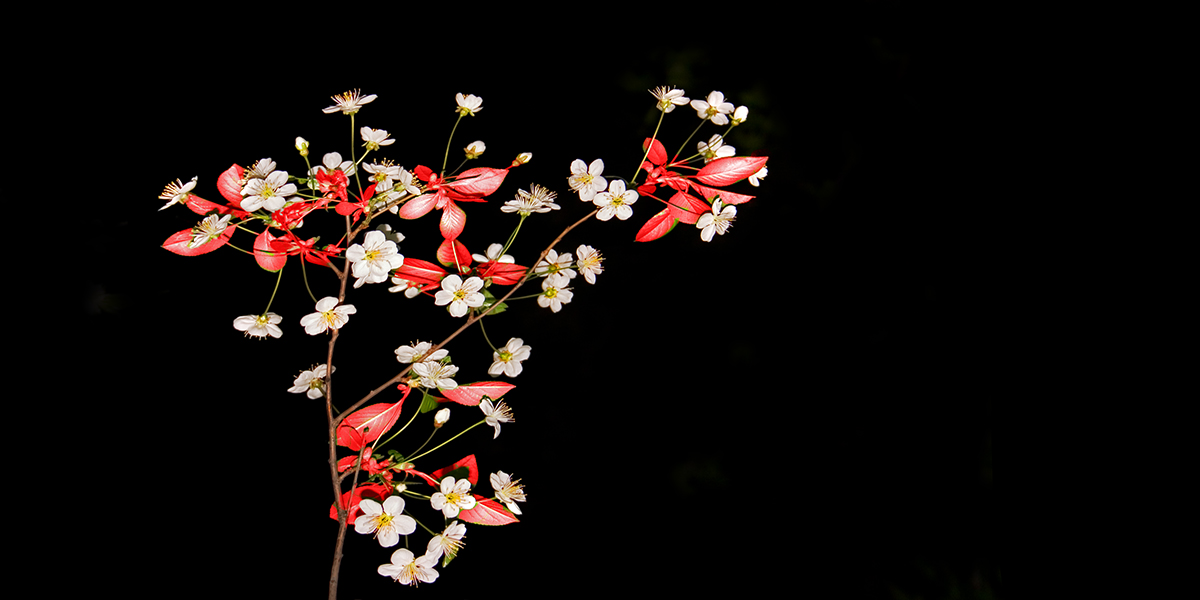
369	423
178	243
468	462
727	197
431	481
446	255
419	271
229	184
270	254
418	207
724	171
423	173
687	208
470	394
503	273
374	491
487	512
658	226
481	181
658	154
453	221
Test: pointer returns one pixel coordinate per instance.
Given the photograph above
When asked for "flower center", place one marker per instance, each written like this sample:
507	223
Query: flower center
453	498
371	255
460	294
552	292
383	520
505	356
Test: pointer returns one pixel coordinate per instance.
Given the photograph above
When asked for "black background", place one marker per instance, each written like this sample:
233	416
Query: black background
802	401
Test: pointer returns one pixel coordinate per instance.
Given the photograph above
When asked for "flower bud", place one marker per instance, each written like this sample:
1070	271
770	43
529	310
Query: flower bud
302	146
522	158
441	417
400	488
475	149
740	114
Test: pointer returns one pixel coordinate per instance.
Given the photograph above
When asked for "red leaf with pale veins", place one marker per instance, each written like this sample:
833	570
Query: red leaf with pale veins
503	273
487	512
687	208
431	481
178	243
201	206
727	197
374	491
418	207
482	181
229	184
468	462
419	271
658	154
370	423
270	254
470	394
453	221
732	169
446	255
658	226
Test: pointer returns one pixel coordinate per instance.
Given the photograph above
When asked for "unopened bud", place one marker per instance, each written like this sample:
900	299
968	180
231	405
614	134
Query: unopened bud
740	114
475	149
522	158
399	488
302	146
441	417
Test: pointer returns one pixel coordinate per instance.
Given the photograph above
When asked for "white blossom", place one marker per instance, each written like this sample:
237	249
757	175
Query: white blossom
761	174
588	262
374	138
440	417
718	221
311	383
508	491
668	99
454	496
715	148
469	104
348	103
460	295
537	200
436	375
177	192
615	201
329	315
496	414
475	149
493	254
714	109
408	569
259	325
447	543
508	359
374	258
271	193
417	353
208	230
586	179
555	263
387	522
555	292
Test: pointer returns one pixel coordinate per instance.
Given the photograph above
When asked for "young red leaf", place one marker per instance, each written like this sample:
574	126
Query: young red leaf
471	393
469	463
725	171
370	423
658	154
419	271
418	207
481	181
658	226
229	184
487	512
503	273
178	243
270	254
446	255
453	221
431	481
374	491
687	208
727	197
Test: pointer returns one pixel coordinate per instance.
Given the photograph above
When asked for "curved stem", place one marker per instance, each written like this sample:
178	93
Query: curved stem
446	157
633	180
414	458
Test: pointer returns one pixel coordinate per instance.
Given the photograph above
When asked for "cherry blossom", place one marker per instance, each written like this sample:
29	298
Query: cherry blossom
537	200
555	263
714	109
329	315
469	104
718	221
348	103
440	418
493	254
270	193
761	174
508	491
615	201
374	138
508	359
460	295
586	179
333	162
455	496
588	262
715	148
475	149
374	258
668	99
555	292
740	114
408	569
311	383
436	375
177	192
259	325
387	522
448	542
208	230
496	414
417	352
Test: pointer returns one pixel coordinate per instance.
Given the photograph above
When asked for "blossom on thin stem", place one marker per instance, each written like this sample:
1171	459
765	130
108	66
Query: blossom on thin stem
761	174
440	418
387	522
311	383
374	138
508	491
475	149
508	359
436	375
537	200
259	325
417	352
615	201
714	109
408	569
588	262
469	104
493	254
715	148
374	258
740	114
454	496
208	230
461	296
270	193
718	221
448	542
555	292
329	315
177	192
496	414
348	103
585	179
668	99
555	263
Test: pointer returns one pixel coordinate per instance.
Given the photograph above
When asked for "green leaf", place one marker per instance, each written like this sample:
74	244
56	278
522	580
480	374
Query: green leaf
428	403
